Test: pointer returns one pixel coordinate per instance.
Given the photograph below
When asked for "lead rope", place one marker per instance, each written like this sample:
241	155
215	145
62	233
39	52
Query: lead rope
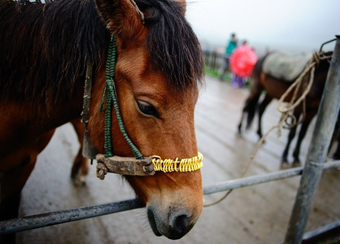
286	110
111	98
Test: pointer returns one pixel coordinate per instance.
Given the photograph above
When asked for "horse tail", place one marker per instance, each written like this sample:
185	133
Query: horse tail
255	92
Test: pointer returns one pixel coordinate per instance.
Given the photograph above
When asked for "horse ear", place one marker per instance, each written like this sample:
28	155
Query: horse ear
122	17
183	6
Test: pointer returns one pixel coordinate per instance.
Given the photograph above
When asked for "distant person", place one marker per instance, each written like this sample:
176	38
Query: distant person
238	81
232	44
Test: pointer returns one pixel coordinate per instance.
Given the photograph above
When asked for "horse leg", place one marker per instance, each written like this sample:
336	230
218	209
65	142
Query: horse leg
80	167
12	183
284	159
302	133
336	155
14	179
336	138
262	108
250	104
291	135
240	124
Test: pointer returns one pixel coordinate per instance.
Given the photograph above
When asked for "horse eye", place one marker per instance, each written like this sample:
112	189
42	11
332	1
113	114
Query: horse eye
147	109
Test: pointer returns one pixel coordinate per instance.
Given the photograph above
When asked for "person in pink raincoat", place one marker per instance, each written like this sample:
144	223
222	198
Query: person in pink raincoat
242	62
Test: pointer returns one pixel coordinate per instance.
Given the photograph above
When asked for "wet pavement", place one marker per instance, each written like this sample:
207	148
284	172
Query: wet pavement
256	214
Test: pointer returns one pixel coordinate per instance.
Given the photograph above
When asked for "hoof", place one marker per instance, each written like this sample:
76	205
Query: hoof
79	180
296	164
259	135
285	165
239	130
75	170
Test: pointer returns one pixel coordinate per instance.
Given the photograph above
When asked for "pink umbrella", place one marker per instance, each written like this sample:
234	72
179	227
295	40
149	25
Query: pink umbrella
242	61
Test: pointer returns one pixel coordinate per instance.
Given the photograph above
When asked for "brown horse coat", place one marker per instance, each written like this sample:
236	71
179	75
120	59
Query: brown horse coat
44	49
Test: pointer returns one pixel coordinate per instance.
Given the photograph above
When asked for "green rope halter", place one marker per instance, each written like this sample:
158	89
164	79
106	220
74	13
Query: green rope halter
111	98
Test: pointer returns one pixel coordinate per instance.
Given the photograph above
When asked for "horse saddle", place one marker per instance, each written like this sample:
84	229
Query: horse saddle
285	67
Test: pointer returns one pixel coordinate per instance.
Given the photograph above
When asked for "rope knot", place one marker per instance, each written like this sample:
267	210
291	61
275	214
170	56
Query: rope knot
283	107
316	57
101	170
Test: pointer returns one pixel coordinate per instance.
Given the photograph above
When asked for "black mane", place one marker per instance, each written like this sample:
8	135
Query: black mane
44	48
173	45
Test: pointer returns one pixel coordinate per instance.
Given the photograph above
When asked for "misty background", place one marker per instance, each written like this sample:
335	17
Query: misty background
295	26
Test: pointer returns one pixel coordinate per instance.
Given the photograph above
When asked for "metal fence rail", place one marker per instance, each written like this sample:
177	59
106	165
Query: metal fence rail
258	179
308	236
213	60
59	217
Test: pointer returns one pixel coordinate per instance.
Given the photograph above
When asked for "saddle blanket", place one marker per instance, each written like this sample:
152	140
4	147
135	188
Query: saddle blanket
285	67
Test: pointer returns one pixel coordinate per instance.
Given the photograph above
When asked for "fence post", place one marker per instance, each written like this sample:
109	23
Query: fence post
317	153
213	61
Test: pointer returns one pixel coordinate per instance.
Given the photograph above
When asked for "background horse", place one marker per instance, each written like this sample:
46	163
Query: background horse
44	52
336	140
275	88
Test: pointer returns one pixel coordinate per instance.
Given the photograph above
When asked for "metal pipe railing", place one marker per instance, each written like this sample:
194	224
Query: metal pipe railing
59	217
321	230
263	178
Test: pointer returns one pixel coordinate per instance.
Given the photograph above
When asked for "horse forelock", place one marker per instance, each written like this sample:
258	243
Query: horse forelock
173	45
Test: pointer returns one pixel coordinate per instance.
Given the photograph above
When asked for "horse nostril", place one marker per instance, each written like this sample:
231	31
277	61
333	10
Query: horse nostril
180	226
180	223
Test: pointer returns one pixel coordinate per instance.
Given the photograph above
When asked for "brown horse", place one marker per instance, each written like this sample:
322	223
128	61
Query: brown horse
275	88
44	52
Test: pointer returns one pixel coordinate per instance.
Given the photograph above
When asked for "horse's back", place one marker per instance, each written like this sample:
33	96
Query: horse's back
283	66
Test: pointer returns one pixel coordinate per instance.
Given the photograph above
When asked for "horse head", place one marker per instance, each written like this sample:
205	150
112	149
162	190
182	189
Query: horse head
158	67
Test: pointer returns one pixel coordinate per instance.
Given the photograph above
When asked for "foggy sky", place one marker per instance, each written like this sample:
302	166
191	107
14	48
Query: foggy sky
290	25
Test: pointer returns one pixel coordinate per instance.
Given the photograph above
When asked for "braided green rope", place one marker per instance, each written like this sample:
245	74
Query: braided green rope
111	98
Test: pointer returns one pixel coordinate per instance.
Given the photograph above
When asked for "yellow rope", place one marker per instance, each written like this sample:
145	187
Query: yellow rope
184	165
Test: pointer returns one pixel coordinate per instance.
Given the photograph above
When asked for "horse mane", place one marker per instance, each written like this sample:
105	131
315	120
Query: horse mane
50	45
174	47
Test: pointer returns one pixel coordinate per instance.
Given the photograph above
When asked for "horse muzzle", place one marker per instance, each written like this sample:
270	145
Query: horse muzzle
172	223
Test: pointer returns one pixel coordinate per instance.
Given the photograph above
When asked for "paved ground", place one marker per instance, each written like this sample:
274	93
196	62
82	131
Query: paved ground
257	214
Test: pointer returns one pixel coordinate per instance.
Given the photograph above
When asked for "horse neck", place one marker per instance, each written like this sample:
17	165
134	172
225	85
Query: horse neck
38	118
321	72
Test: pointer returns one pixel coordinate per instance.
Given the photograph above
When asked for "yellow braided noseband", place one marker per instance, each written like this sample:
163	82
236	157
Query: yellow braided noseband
184	165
